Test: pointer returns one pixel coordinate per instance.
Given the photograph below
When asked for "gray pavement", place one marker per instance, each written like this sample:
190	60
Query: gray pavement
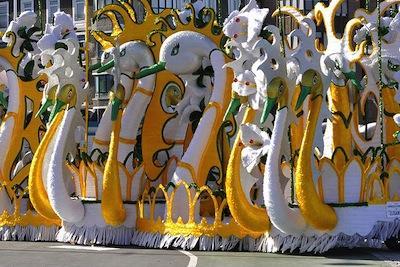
56	254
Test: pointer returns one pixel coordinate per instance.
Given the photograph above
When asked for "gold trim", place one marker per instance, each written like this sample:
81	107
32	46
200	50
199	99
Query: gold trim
143	91
100	142
127	141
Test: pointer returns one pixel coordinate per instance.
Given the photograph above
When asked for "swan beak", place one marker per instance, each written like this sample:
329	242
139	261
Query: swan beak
305	91
115	105
44	107
106	66
351	75
267	108
57	108
160	66
95	66
233	107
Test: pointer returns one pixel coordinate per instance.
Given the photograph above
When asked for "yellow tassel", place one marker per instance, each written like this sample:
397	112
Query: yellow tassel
37	192
112	205
245	214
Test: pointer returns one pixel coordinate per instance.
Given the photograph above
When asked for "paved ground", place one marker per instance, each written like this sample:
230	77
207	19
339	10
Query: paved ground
21	254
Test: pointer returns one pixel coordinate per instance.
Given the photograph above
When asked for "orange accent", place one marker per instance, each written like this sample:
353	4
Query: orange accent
10	115
143	91
101	142
214	105
189	167
127	141
176	142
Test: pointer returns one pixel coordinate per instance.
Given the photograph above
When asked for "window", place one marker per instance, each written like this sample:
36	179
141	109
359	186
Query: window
103	85
160	5
233	5
103	3
211	4
342	10
52	7
3	14
79	10
26	5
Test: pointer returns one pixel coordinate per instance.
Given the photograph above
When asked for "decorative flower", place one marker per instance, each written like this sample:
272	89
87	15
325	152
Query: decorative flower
245	85
26	21
63	28
256	144
186	13
246	25
389	29
235	27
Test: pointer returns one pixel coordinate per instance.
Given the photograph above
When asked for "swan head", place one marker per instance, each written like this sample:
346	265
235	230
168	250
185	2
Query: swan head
106	62
125	60
311	84
49	98
182	53
235	27
65	96
276	93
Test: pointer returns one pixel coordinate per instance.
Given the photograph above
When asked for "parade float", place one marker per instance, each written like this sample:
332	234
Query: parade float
234	135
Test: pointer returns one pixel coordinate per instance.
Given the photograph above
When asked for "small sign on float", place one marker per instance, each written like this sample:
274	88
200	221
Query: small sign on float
393	209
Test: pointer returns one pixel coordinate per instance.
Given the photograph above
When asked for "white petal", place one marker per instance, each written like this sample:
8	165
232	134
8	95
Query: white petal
256	101
250	158
396	119
251	132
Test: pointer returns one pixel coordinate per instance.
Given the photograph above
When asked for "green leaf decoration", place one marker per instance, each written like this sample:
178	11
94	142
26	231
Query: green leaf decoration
384	175
382	31
393	67
32	30
233	108
22	32
396	134
195	186
170	184
351	75
26	45
85	157
152	190
28	70
368	38
219	193
61	45
265	34
208	71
